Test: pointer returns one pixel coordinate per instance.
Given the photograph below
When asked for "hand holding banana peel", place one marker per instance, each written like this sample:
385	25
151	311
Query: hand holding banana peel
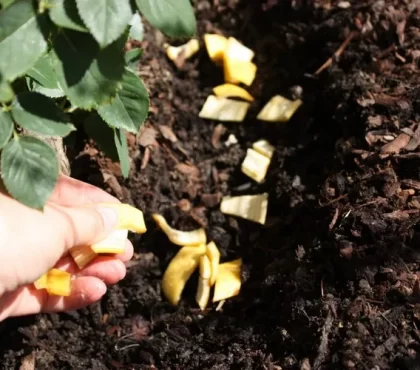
63	258
34	243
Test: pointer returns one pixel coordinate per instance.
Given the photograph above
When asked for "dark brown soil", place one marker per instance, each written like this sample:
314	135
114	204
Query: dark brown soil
332	281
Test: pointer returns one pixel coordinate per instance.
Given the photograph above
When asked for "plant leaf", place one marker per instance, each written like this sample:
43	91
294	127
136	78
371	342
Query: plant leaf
129	108
6	92
136	28
106	19
6	128
44	76
120	139
21	39
132	58
175	18
30	170
5	3
89	76
39	114
64	14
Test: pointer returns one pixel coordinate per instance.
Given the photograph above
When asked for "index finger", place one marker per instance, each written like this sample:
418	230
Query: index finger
70	192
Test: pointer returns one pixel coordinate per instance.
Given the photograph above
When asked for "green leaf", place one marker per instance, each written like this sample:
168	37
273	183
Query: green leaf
6	92
44	76
6	128
106	19
175	18
136	28
132	58
113	142
21	39
5	3
120	139
64	14
129	108
39	114
30	170
89	76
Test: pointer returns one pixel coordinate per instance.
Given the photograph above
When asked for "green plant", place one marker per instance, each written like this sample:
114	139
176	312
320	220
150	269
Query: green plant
63	67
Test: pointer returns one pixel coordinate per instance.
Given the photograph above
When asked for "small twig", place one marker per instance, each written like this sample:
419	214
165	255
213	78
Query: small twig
389	322
333	200
118	348
338	52
323	345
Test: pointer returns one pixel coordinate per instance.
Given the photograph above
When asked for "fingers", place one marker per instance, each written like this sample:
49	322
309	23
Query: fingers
83	225
27	300
109	269
70	192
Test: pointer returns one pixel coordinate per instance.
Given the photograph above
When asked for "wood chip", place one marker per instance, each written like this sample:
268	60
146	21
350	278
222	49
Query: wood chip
28	362
147	136
188	170
167	133
218	132
395	146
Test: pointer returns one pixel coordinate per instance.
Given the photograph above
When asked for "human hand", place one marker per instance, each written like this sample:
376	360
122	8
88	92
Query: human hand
32	242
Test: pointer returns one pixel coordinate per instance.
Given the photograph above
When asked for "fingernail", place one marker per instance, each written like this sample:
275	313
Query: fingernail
110	218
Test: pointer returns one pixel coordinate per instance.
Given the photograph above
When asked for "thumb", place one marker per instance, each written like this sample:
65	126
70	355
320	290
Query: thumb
87	225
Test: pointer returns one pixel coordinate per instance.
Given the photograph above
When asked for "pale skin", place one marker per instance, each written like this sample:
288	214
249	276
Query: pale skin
32	242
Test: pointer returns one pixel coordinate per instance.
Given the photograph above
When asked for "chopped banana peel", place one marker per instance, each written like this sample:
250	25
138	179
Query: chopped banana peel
250	207
129	217
178	237
114	243
202	296
279	109
184	51
255	165
228	282
235	50
238	71
224	109
41	282
264	147
82	255
213	255
215	45
203	290
232	91
56	282
179	270
205	267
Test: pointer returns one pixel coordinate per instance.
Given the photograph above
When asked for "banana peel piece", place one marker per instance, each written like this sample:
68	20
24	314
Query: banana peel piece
114	243
215	46
228	281
264	147
179	270
82	255
55	282
184	51
213	255
224	109
249	207
235	50
255	165
232	91
238	71
178	237
203	289
129	217
279	109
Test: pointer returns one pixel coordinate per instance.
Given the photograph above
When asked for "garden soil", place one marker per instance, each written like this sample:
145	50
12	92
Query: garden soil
332	280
